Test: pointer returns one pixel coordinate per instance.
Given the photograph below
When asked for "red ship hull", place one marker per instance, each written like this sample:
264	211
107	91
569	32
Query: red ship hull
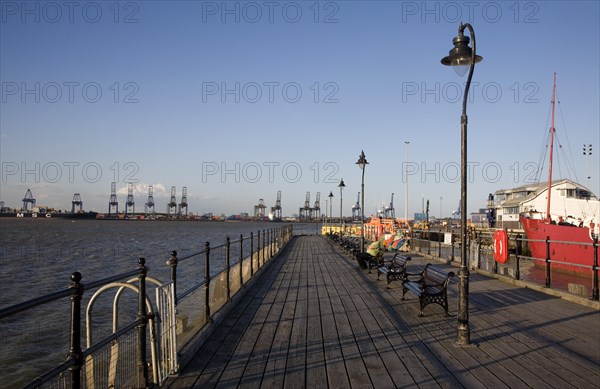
578	252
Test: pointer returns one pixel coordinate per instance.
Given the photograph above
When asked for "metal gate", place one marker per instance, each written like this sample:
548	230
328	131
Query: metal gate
167	331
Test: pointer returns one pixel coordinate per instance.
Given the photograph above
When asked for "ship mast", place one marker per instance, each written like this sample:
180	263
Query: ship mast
552	131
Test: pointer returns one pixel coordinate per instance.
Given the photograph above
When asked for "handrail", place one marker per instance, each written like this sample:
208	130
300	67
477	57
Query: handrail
49	374
520	254
20	307
108	280
266	246
35	302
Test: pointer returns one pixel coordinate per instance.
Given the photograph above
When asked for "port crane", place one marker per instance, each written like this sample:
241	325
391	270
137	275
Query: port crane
390	212
172	204
149	207
306	210
316	210
456	214
356	209
276	210
77	202
259	210
28	199
112	202
129	203
183	204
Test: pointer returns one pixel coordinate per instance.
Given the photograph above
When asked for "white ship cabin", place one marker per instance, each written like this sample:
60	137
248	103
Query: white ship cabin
569	202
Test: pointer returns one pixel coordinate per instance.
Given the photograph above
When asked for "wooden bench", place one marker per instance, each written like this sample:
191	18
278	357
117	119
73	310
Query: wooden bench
430	286
396	270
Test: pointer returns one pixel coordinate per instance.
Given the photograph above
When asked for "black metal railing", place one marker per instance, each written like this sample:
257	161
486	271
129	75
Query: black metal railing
76	355
225	269
218	273
520	264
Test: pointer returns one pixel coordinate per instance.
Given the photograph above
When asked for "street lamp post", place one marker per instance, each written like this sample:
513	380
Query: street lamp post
362	164
462	57
330	214
341	186
406	187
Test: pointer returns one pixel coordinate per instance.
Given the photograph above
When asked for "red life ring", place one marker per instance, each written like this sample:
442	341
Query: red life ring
500	246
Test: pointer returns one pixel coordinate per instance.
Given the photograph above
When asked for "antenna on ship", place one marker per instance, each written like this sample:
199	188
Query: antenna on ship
184	203
587	150
552	131
28	199
76	203
129	204
149	207
172	205
112	202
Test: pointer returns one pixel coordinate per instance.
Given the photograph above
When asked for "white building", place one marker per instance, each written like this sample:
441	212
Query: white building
568	200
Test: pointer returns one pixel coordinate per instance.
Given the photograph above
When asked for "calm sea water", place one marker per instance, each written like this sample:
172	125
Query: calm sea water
38	256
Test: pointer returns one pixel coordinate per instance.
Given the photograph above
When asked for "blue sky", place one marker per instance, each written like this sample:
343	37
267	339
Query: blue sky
237	100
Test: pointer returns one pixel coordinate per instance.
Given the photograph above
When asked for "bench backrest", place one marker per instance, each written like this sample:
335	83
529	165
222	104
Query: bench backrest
433	275
400	261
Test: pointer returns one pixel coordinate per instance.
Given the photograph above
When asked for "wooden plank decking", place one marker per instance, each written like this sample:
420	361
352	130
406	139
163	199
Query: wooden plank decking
314	320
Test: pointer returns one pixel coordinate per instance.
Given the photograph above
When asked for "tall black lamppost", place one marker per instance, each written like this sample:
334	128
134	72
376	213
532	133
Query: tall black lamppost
330	214
462	57
362	163
341	186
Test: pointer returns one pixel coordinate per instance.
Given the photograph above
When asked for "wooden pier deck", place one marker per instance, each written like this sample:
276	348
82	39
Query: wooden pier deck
314	320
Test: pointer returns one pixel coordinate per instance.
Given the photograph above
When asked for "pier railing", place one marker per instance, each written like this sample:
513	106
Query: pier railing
141	352
82	365
520	265
207	280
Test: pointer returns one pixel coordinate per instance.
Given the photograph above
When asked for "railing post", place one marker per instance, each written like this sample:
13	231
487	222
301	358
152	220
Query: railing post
207	283
270	243
452	244
595	294
227	265
440	240
280	238
172	263
495	267
75	339
478	239
241	260
251	254
519	248
428	243
142	366
548	280
264	246
258	250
